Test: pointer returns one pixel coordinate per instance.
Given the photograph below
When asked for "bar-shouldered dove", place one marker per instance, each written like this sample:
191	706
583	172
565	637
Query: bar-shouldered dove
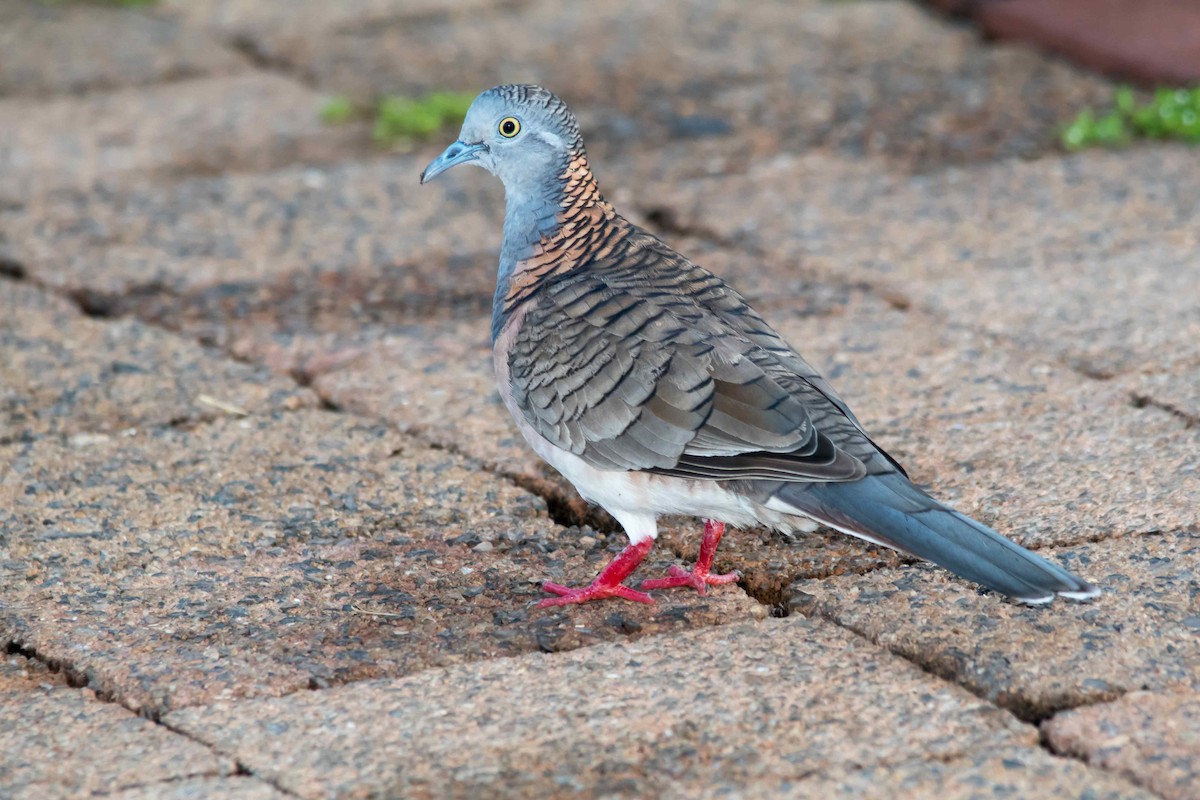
655	389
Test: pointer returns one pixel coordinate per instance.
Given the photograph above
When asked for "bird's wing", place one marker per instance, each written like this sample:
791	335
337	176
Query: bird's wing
647	362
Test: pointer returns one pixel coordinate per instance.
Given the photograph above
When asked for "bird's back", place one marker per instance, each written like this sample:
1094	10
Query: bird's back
618	300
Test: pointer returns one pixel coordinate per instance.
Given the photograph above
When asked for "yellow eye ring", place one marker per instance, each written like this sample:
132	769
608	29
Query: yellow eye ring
509	127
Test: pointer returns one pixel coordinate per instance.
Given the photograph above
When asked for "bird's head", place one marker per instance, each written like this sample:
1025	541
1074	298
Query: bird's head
521	133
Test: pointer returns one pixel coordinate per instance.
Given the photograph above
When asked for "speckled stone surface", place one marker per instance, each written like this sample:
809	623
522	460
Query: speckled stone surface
343	601
1141	633
263	555
99	48
301	242
455	402
231	788
794	696
63	373
1177	392
456	405
255	121
1007	435
1004	773
62	742
243	18
1090	258
867	77
21	674
1152	739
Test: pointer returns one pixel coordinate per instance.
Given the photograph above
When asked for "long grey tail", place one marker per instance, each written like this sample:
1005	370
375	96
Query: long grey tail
889	510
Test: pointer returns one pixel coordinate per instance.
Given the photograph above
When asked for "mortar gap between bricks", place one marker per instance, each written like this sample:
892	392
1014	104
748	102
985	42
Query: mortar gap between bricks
97	305
249	48
77	679
1141	401
664	220
1045	744
240	768
1100	536
13	270
1091	371
565	509
74	677
107	306
1029	713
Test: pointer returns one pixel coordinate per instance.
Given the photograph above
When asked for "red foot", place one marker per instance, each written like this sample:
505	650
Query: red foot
700	577
608	583
592	592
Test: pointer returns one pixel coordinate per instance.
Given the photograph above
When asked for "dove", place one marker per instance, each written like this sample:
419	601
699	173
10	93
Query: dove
655	389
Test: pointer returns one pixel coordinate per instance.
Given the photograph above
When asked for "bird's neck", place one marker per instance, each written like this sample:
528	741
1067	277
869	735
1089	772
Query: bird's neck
551	225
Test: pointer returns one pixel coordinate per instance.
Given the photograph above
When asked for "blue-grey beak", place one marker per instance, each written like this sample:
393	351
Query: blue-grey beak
455	154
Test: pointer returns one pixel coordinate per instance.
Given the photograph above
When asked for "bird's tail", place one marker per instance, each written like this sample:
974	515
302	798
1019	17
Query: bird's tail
889	510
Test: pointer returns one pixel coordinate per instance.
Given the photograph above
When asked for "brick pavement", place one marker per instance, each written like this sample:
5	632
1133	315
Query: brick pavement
266	531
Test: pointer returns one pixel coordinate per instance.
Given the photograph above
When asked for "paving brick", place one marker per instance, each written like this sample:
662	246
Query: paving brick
250	122
274	262
21	674
271	554
1139	634
65	374
51	49
877	77
632	719
1089	257
307	247
454	403
1153	739
242	18
1008	436
63	742
202	789
1022	772
1177	391
435	380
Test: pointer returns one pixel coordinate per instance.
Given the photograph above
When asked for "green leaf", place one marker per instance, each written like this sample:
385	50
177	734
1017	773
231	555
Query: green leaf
1172	113
337	110
1125	99
401	119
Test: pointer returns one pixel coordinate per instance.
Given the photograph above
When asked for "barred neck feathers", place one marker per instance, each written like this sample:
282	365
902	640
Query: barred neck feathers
551	229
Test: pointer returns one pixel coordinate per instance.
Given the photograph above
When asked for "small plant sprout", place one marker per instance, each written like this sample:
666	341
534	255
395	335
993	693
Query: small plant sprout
1171	114
337	110
401	120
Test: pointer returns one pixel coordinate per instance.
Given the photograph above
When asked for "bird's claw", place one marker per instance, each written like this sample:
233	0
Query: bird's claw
698	578
594	591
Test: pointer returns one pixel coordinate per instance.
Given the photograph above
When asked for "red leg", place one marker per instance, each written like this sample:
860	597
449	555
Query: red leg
608	583
699	577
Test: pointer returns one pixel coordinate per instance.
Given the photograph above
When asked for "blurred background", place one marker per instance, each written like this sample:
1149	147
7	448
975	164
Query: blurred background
96	97
243	175
97	90
250	443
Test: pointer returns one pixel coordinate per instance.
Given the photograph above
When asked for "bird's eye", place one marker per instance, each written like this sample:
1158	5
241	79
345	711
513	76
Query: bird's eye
510	127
